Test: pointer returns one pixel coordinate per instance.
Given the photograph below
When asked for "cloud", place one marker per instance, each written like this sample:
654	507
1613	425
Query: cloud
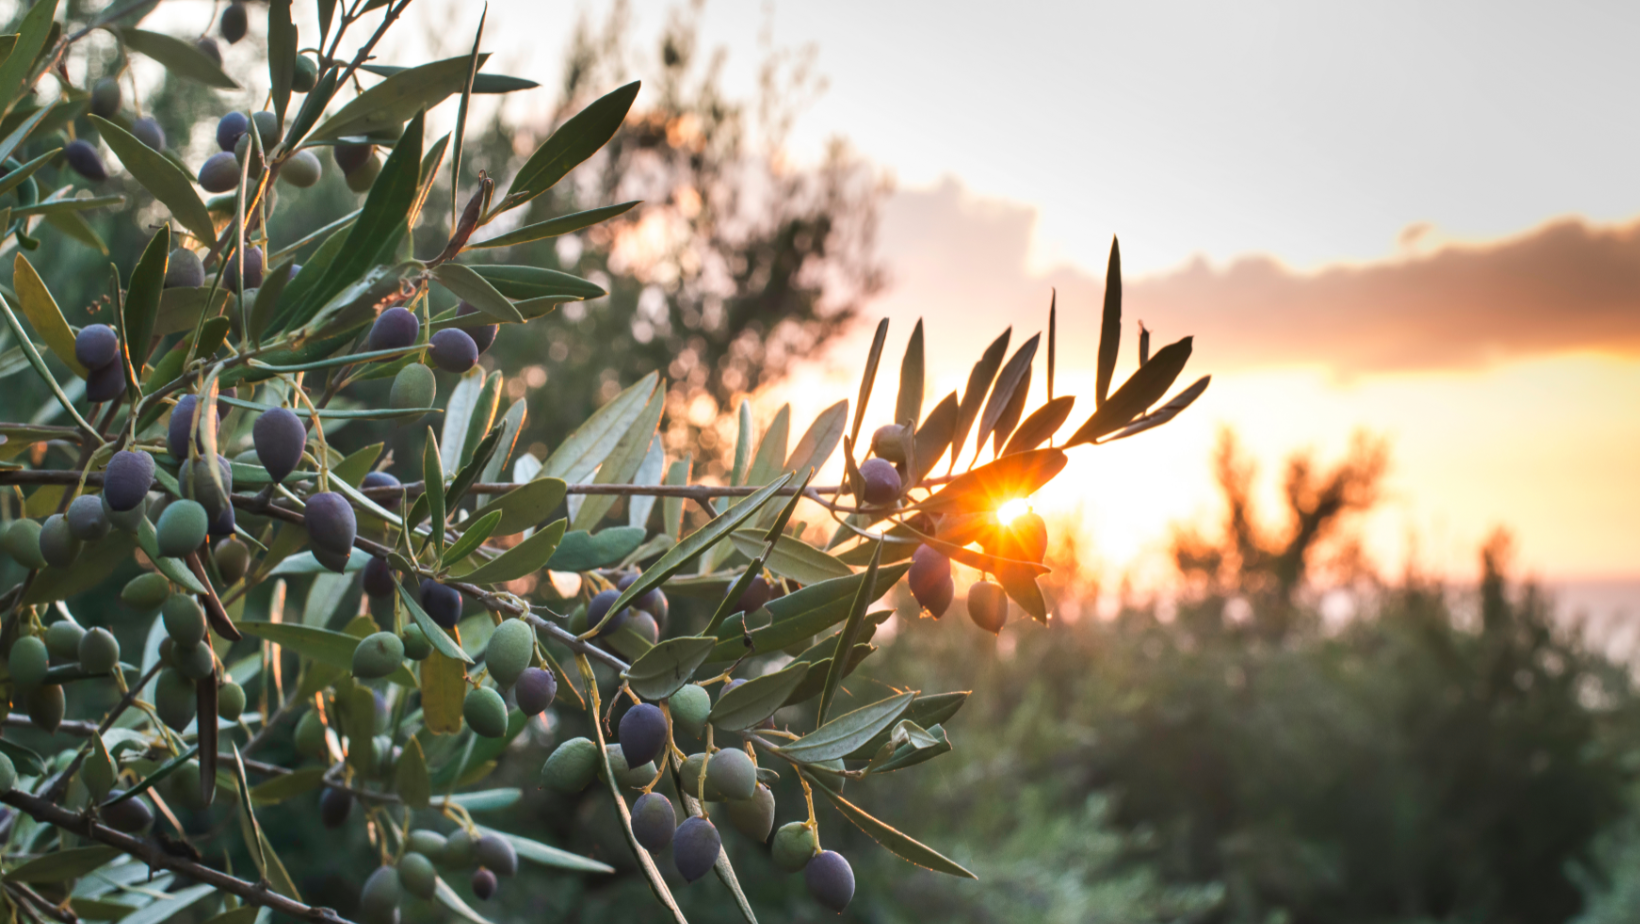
1566	286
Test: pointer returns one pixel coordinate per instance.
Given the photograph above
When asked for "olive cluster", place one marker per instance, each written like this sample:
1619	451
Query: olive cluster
416	871
221	171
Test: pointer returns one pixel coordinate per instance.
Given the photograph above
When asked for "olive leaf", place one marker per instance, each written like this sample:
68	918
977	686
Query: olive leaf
482	83
868	378
553	227
1040	427
896	841
1003	408
443	685
851	629
63	865
43	314
442	643
537	852
1145	387
528	556
179	57
573	142
926	710
623	461
790	558
477	291
525	506
908	405
1110	325
756	699
848	731
402	95
143	295
802	615
473	536
579	455
288	785
665	668
583	551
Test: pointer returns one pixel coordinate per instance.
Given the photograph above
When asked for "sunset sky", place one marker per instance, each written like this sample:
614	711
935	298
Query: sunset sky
1418	220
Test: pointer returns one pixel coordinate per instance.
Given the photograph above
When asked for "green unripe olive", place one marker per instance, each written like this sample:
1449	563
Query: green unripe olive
306	75
630	777
46	707
8	775
97	776
183	785
690	773
57	545
302	170
690	706
192	661
310	735
429	844
509	651
379	900
754	817
28	662
22	542
230	701
571	766
458	850
63	638
378	655
184	619
174	699
732	773
99	651
417	876
364	175
146	591
795	844
413	387
181	528
267	127
485	712
233	559
416	645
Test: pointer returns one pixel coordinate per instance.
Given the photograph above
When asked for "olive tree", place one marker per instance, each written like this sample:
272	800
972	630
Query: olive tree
207	440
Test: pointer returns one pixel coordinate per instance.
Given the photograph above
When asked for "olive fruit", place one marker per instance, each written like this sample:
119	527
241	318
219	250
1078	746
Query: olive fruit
253	270
383	480
496	854
174	699
458	850
441	602
234	22
795	844
63	638
208	47
125	520
232	557
145	591
1028	537
310	735
887	443
279	438
416	645
334	806
630	777
193	661
732	773
534	690
360	180
229	128
184	270
652	601
485	712
644	626
350	157
930	580
46	707
106	383
690	706
570	767
306	76
378	655
8	775
28	662
830	880
599	606
331	524
642	734
413	387
83	157
96	345
754	817
394	329
690	775
302	170
653	821
149	132
99	651
184	619
379	899
483	335
129	815
417	876
183	785
22	542
219	173
266	124
105	97
987	605
882	482
86	520
333	561
484	884
57	545
126	480
430	844
695	847
230	701
757	593
509	651
378	578
182	423
452	350
194	477
181	528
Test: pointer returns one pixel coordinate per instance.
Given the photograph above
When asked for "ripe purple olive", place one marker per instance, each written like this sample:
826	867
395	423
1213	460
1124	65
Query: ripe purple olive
106	383
126	480
496	854
830	880
334	807
652	602
183	270
483	334
253	270
228	130
484	884
83	157
383	480
988	605
148	132
331	524
219	173
534	690
105	97
182	422
394	329
96	345
642	734
757	593
653	821
86	518
350	157
222	524
234	23
378	578
453	351
130	816
208	47
930	580
599	605
695	847
882	482
442	603
279	438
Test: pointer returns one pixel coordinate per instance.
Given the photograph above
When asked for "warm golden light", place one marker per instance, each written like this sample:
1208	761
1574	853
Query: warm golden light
1013	510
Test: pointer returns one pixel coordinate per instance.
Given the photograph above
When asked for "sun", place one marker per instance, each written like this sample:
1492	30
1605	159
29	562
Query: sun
1013	510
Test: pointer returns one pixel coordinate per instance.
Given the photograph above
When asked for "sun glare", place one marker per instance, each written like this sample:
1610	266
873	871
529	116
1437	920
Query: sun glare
1013	510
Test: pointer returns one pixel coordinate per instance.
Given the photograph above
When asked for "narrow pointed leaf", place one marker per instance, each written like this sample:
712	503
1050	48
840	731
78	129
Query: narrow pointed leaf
527	557
553	227
979	385
396	99
848	731
851	629
1110	325
1015	375
574	141
1164	413
868	378
665	668
756	699
1040	427
179	57
43	314
477	291
908	406
1145	387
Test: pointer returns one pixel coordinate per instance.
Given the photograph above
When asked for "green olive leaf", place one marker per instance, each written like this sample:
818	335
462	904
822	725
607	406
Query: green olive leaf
537	852
756	699
477	291
525	506
527	557
896	841
553	227
583	551
574	141
848	731
665	668
790	558
63	865
396	99
179	57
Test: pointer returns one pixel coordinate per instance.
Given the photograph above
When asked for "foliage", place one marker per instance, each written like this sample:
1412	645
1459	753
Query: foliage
214	409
